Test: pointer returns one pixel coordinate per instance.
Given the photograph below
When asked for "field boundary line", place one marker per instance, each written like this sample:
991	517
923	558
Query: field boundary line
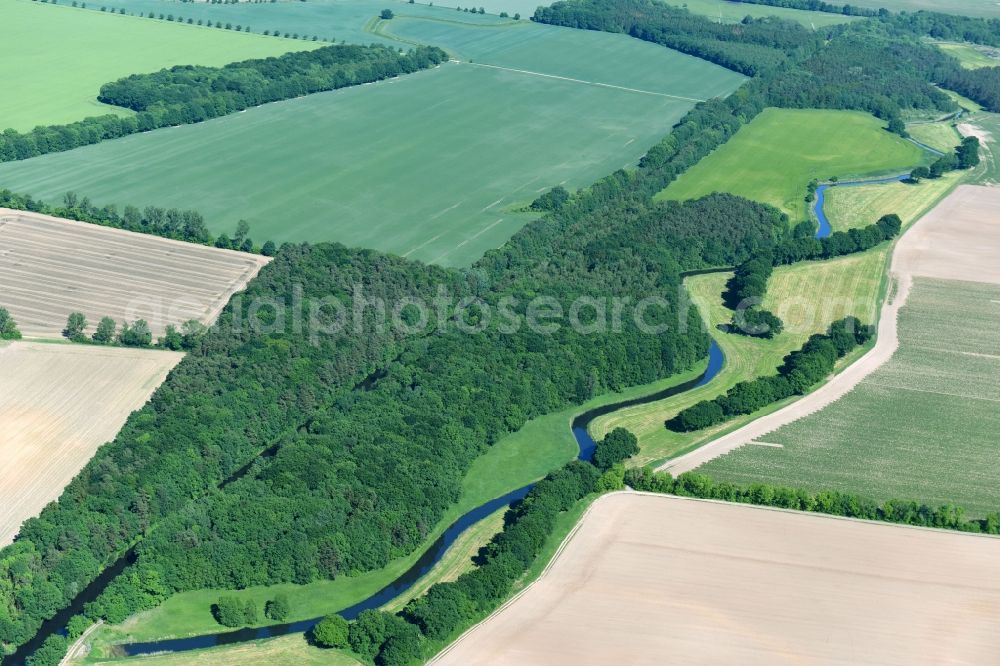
555	556
572	80
667	496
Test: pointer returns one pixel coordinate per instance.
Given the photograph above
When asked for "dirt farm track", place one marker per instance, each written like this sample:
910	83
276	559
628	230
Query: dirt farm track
653	579
58	404
51	267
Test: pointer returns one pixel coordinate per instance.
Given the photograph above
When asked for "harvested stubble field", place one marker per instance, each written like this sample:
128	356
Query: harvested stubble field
51	267
925	425
58	404
646	578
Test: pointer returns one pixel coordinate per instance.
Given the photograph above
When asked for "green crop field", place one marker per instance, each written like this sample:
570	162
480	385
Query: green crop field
431	166
774	157
941	388
340	20
807	296
56	58
734	12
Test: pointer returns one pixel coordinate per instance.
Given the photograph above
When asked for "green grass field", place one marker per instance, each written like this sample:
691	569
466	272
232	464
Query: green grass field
285	651
970	55
988	172
941	388
732	12
428	166
807	296
942	136
852	207
56	58
773	158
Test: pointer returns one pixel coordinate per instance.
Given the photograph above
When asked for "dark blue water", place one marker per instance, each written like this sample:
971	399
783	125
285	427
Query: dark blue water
824	223
432	555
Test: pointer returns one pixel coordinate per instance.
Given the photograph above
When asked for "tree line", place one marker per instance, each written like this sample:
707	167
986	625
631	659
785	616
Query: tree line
798	373
185	225
745	292
446	609
190	94
374	431
819	6
368	471
136	334
980	85
830	502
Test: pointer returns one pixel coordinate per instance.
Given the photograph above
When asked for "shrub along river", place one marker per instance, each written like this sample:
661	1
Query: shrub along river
432	555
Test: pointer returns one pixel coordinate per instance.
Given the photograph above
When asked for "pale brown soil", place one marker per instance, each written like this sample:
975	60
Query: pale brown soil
58	404
51	267
958	240
649	579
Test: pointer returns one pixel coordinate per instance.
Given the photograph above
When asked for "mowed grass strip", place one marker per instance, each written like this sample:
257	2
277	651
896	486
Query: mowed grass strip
942	136
430	166
456	561
292	650
969	55
859	206
807	296
773	158
925	426
56	58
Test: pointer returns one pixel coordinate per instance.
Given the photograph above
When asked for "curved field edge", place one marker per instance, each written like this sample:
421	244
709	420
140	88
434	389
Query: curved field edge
799	535
542	445
939	386
747	358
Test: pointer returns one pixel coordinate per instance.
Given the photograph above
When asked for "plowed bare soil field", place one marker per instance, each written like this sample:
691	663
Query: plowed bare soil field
655	579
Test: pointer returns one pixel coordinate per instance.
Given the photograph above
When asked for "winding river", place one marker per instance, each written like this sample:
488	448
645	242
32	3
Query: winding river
435	552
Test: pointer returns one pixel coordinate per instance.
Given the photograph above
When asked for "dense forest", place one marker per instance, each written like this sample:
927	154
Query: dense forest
980	85
369	466
189	94
372	429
